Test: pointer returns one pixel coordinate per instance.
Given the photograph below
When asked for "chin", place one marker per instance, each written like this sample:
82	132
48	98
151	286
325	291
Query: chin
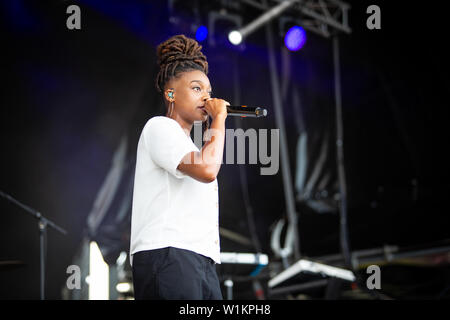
203	117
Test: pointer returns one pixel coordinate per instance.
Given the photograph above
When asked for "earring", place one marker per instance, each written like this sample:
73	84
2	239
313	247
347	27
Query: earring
171	106
170	109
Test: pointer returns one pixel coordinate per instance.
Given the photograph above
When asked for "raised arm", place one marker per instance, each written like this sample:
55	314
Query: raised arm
205	165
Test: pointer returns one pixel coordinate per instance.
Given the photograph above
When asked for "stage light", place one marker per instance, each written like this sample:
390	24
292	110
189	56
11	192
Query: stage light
201	33
123	287
98	274
235	37
295	38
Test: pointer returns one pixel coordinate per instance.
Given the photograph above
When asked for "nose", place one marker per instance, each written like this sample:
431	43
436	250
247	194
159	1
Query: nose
206	97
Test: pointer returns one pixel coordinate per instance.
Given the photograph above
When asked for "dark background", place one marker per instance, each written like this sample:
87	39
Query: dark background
69	96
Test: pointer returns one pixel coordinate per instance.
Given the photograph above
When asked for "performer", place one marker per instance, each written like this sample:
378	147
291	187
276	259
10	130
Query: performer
175	212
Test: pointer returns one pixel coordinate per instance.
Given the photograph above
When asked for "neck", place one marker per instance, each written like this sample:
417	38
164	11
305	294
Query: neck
185	125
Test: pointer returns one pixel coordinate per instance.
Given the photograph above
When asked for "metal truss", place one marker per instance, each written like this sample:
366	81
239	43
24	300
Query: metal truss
323	17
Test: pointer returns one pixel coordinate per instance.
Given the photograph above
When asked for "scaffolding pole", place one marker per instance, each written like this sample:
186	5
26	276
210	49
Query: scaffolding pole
284	155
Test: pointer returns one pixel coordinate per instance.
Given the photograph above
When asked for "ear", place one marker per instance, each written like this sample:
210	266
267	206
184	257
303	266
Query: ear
169	94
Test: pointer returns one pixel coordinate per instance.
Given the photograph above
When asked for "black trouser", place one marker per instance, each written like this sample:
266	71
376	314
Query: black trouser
172	273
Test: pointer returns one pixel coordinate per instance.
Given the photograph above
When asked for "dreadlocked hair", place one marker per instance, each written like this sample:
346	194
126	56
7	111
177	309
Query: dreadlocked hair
177	55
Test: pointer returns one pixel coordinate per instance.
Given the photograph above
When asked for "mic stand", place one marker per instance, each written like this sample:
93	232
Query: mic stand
43	222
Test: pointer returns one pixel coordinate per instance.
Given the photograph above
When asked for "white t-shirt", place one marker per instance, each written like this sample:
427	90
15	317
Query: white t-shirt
170	208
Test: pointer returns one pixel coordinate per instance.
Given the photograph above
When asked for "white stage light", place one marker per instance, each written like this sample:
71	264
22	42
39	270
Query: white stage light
235	37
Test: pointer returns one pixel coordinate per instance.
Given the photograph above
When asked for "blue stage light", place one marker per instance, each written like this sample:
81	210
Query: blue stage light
295	38
201	33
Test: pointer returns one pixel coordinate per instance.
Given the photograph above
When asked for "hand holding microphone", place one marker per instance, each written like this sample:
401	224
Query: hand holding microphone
215	107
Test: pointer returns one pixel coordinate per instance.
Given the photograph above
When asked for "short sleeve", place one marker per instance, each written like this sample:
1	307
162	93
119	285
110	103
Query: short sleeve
167	143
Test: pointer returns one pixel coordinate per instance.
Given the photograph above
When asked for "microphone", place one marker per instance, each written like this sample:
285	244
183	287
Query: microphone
244	111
